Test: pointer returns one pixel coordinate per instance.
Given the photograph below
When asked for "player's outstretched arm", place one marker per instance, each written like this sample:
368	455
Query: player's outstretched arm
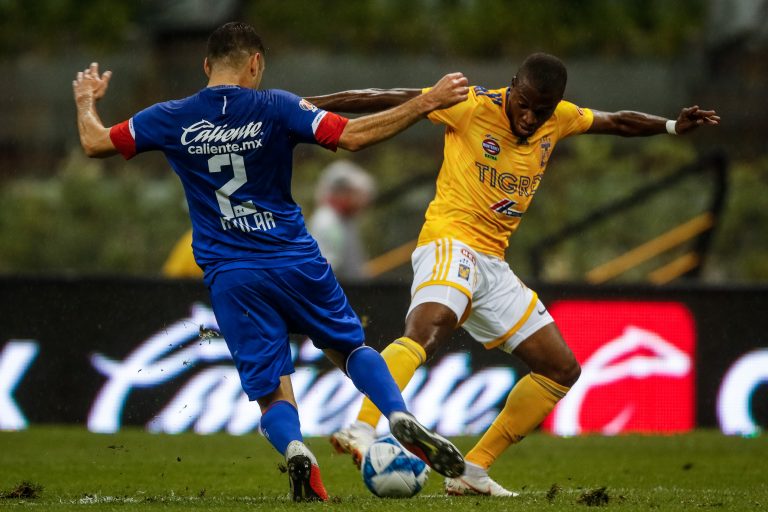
364	101
637	124
367	130
89	87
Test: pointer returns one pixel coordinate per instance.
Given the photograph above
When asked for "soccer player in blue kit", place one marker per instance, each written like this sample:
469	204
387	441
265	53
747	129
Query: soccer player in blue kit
231	145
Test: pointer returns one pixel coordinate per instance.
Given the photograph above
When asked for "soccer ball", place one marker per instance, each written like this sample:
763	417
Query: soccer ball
391	471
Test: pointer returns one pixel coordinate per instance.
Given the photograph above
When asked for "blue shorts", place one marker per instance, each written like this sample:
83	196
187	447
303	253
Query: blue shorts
256	309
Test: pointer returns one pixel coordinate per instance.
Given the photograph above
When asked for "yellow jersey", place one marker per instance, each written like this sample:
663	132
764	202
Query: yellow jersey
489	177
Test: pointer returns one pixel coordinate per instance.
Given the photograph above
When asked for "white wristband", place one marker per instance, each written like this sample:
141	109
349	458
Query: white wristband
671	125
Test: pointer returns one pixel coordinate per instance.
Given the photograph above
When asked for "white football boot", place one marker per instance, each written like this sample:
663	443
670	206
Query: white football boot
354	440
304	474
436	451
475	481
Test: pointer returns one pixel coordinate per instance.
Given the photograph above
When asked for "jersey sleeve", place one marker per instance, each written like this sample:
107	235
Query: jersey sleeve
456	116
140	133
124	138
308	123
572	120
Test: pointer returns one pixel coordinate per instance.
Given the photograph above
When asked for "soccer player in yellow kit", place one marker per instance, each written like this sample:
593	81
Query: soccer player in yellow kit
497	145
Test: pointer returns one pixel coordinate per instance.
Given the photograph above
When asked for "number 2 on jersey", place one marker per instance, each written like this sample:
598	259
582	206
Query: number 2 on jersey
223	194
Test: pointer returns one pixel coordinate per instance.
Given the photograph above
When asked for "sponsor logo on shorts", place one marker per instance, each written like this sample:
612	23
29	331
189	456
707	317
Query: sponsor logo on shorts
468	255
464	272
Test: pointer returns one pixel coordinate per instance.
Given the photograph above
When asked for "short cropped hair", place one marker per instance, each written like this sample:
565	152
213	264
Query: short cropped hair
232	42
544	72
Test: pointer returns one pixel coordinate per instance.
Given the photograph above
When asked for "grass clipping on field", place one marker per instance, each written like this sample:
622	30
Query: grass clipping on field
25	490
594	498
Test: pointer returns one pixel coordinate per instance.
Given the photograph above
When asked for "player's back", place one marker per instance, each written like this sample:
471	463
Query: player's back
232	148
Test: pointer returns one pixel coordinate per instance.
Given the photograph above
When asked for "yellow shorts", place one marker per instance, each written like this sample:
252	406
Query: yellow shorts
489	300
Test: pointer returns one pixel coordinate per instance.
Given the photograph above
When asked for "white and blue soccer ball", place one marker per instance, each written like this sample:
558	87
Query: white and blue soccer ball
391	471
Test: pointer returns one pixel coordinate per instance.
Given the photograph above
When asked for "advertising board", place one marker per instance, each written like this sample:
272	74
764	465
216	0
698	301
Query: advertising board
109	352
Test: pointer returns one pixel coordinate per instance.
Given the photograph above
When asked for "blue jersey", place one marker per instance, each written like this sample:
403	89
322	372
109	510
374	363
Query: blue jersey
232	148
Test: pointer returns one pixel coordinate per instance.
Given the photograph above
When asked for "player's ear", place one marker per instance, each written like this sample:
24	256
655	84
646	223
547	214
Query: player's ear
257	63
207	67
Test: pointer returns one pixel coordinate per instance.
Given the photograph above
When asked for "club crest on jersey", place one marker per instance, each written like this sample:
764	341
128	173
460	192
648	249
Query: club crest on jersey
464	272
305	105
491	147
546	149
505	206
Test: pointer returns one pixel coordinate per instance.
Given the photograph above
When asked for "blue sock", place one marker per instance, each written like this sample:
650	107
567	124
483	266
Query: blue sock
371	376
280	424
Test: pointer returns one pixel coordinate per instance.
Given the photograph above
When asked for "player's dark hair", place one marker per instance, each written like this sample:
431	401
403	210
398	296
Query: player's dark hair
231	42
544	72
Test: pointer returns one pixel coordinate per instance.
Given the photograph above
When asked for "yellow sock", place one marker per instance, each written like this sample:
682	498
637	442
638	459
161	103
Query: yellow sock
402	356
529	402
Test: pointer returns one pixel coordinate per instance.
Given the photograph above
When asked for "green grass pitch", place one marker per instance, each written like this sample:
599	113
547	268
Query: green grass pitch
71	469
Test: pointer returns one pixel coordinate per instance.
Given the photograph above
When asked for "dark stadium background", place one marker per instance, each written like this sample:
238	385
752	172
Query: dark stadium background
82	242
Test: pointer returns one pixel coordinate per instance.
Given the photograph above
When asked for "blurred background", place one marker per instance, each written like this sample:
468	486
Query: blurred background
657	209
652	249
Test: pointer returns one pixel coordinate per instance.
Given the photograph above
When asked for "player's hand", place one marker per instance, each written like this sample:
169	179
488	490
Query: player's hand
88	86
692	117
453	88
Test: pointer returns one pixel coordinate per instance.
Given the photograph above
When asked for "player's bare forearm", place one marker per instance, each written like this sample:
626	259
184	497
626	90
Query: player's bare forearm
88	87
94	137
367	130
627	123
364	101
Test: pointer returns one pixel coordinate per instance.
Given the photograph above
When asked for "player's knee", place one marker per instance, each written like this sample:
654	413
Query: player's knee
571	373
565	372
428	339
430	325
430	346
431	338
431	316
